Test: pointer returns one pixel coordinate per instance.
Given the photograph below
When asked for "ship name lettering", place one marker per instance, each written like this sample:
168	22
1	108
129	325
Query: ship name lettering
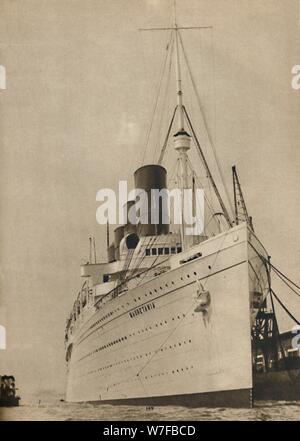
142	309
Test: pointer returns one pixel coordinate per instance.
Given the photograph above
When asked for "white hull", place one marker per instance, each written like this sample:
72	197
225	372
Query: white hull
167	349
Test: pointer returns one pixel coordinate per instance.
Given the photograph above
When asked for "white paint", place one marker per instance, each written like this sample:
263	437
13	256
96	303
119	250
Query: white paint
2	337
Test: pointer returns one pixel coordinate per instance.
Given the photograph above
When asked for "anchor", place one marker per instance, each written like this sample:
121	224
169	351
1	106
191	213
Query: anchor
203	302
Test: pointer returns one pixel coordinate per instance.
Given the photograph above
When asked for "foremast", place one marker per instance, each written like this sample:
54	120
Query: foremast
184	135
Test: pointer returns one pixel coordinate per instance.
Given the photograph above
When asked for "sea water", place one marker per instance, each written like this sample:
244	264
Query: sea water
61	411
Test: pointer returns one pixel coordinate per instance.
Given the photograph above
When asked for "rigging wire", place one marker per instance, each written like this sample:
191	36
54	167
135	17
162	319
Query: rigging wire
205	164
285	308
283	275
164	101
127	280
268	263
141	255
152	265
187	312
205	122
284	281
163	150
150	244
280	274
157	96
208	202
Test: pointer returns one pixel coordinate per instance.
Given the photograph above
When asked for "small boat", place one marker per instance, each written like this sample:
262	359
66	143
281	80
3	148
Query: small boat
8	397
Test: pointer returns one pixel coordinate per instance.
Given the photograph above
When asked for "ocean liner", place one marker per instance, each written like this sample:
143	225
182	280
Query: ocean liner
167	319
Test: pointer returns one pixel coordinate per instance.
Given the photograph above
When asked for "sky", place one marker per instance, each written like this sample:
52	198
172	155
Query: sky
74	118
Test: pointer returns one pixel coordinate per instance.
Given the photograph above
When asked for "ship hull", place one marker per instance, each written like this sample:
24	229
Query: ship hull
233	398
283	385
152	345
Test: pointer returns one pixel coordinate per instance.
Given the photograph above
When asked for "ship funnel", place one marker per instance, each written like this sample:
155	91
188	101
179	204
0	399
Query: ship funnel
129	227
147	178
111	253
119	234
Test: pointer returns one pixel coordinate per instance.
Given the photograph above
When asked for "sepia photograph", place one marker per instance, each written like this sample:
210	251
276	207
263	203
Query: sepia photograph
149	213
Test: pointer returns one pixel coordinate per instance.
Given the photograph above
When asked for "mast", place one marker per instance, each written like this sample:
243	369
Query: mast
182	139
90	249
178	75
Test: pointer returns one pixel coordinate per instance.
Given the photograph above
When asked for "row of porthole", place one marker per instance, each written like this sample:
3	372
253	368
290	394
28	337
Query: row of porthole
139	298
137	357
174	371
160	374
129	335
120	340
139	332
172	282
102	318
